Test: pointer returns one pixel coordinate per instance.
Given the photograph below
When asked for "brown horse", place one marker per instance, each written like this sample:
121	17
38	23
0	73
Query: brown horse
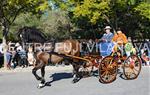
68	47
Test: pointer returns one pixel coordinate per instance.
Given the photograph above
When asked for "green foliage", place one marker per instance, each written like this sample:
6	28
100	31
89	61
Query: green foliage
23	20
10	9
53	23
89	16
56	24
131	15
92	9
143	9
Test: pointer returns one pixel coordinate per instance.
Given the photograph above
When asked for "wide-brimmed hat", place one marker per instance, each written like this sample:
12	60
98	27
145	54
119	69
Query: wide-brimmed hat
107	27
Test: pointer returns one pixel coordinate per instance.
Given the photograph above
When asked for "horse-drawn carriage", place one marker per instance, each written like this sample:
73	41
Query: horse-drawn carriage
85	64
108	66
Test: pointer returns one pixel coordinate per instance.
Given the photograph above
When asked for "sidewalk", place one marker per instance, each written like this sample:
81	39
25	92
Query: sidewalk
29	69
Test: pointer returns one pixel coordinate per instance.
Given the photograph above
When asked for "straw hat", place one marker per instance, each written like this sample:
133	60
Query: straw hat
107	27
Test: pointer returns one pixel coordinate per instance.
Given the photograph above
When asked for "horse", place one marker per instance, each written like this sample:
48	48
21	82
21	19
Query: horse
42	58
57	55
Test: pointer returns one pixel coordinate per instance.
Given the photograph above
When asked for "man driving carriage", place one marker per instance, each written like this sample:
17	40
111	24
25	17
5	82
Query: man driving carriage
105	45
107	37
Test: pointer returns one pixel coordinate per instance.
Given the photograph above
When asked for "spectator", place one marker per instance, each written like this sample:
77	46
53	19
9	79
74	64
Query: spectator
144	56
8	55
20	57
1	55
30	56
1	47
18	47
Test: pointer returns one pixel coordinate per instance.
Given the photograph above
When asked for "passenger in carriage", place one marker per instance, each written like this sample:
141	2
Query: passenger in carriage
120	39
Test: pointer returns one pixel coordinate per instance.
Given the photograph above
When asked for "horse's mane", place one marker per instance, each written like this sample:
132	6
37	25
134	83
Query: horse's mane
31	34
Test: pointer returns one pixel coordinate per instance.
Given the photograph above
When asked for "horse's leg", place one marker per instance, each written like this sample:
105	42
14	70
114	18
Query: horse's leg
43	74
42	67
37	67
76	75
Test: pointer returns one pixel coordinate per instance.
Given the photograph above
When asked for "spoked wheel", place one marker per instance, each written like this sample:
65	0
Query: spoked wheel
132	67
108	70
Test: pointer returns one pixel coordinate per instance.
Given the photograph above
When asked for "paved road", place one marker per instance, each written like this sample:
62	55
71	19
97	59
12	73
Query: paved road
23	83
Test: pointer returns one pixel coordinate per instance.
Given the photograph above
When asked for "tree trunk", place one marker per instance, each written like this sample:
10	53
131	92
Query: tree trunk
5	51
5	29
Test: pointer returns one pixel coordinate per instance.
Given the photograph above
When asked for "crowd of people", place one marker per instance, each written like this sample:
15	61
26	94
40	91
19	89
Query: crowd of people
110	42
17	56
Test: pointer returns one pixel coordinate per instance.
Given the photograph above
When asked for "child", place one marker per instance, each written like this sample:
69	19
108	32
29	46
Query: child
30	55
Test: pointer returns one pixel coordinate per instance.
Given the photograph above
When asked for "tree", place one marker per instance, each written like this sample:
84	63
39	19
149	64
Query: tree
22	20
130	15
56	23
143	9
10	9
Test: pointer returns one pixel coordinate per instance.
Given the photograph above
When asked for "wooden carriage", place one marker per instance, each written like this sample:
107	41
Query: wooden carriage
108	66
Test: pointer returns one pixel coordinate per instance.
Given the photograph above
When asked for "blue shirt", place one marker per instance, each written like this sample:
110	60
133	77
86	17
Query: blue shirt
108	37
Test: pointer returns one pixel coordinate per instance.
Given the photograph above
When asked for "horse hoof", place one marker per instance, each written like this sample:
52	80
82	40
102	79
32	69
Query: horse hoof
40	85
47	84
75	80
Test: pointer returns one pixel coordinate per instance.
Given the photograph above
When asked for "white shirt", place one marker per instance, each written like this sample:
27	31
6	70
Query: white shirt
1	48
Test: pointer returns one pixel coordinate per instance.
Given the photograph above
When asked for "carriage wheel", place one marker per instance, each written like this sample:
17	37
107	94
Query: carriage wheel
108	70
132	67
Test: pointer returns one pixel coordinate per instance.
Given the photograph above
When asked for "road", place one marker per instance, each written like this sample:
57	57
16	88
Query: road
23	83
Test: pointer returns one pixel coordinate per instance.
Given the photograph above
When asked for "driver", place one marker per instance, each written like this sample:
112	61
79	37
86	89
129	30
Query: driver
106	44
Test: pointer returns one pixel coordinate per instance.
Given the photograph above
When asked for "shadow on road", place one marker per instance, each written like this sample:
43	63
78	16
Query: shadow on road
122	76
58	76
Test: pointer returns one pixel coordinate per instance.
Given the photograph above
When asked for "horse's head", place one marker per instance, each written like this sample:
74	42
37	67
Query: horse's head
31	34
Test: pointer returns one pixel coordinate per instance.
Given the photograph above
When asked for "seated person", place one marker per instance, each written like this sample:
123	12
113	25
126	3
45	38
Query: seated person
107	37
106	44
120	40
